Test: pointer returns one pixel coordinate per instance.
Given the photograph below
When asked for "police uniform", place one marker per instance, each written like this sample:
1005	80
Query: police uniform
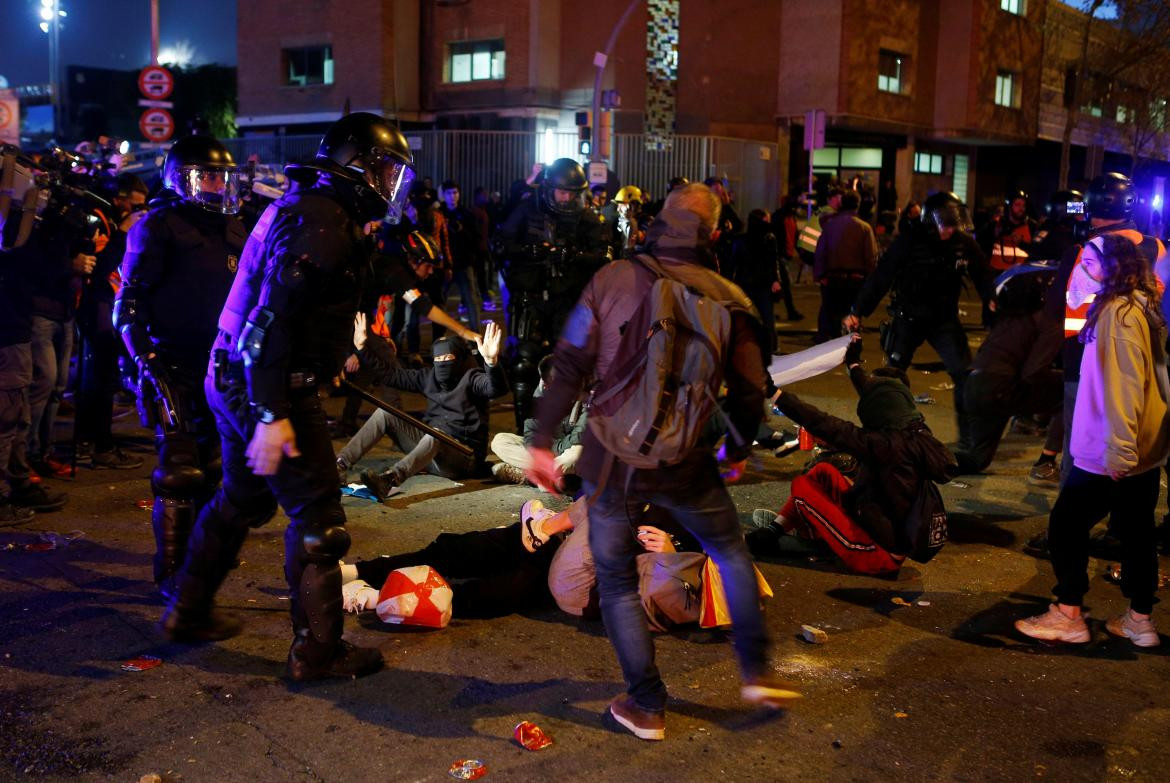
179	265
926	273
547	260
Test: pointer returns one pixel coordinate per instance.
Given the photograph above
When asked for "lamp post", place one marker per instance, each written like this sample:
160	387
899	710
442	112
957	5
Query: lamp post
599	61
51	15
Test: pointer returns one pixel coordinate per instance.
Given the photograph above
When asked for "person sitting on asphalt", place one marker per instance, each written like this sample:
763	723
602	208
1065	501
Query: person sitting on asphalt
512	449
457	392
546	554
859	520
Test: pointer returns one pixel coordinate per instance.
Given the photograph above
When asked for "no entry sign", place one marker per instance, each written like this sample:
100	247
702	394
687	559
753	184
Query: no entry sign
156	124
155	82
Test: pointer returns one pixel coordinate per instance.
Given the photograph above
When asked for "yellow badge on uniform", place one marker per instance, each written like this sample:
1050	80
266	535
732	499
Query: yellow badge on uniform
233	263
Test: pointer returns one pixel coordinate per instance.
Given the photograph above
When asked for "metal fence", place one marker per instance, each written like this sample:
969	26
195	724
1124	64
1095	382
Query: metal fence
494	159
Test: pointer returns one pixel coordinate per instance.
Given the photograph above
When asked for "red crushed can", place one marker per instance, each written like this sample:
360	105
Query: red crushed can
531	736
468	769
807	441
141	663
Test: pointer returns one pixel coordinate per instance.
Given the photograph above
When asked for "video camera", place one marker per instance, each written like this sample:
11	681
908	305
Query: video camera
56	190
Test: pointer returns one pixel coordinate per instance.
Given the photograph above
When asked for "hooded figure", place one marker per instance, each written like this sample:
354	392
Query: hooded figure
452	360
862	521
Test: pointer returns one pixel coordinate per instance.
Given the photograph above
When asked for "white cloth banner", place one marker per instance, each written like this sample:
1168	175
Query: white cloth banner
808	363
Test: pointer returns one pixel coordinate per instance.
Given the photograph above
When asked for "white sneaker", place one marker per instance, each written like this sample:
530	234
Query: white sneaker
1055	626
357	596
1141	632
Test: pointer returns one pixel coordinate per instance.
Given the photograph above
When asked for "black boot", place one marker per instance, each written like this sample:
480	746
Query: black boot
193	626
309	659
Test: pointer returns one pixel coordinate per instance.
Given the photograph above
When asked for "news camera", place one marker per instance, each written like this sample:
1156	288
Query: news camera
56	191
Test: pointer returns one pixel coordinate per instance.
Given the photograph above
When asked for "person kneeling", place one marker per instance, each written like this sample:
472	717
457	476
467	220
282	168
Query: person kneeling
512	449
457	392
860	520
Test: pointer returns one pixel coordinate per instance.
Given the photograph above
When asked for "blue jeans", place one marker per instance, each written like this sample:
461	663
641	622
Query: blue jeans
704	508
52	346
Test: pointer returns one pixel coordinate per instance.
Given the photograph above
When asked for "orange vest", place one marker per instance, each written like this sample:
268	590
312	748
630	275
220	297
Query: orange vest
1075	317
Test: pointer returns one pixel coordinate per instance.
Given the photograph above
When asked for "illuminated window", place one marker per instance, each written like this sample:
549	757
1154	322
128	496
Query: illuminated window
891	71
308	65
1007	89
1017	7
928	163
475	61
1122	114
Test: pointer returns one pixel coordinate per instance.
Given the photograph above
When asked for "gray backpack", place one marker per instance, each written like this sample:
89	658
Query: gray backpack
650	408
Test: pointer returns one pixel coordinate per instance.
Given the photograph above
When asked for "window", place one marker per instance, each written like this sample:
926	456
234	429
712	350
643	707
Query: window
891	71
928	163
960	176
308	65
1093	110
474	61
1007	89
1017	7
1158	115
1122	115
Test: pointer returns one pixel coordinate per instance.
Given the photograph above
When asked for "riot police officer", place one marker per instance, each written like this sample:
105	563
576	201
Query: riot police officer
925	268
549	246
286	329
178	268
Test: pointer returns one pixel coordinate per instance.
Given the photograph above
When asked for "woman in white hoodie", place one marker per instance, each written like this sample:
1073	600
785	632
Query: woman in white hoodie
1120	437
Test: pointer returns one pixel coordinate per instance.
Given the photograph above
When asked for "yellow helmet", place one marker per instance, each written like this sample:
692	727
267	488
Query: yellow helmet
628	194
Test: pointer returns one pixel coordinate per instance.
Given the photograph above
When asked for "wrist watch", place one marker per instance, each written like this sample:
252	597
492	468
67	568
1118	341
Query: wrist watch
264	414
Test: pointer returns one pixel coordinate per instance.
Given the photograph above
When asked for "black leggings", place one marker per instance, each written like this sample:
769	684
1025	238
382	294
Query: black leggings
490	572
1084	500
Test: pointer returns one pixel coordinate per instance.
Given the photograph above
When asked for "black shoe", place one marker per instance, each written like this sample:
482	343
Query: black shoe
342	474
114	459
795	316
191	628
1037	546
381	484
345	660
37	498
13	515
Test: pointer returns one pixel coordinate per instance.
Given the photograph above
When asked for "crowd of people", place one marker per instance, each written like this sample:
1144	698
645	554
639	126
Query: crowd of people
636	341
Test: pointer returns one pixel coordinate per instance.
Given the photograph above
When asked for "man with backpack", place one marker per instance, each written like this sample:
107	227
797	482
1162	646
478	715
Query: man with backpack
662	332
888	512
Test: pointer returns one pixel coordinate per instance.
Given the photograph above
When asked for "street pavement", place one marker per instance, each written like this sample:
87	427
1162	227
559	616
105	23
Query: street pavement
922	677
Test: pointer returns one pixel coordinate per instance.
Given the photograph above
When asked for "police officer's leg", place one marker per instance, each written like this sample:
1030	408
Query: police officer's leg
985	401
314	542
243	502
949	340
524	375
901	341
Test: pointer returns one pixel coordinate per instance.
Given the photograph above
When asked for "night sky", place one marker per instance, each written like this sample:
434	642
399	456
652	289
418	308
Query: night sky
112	34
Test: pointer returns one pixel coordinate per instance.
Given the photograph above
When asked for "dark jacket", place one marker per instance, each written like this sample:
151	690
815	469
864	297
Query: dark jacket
926	274
847	247
892	466
460	411
21	273
755	260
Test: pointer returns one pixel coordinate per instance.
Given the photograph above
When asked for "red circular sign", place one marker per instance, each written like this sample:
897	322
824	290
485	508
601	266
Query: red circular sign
155	82
156	124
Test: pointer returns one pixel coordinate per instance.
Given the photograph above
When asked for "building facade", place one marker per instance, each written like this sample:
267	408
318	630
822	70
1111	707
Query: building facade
948	94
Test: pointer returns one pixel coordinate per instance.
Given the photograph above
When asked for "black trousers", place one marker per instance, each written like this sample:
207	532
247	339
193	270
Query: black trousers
949	340
837	297
991	399
1085	498
98	382
490	571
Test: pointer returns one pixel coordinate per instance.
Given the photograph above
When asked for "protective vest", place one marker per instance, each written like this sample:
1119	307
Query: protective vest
1076	316
1006	251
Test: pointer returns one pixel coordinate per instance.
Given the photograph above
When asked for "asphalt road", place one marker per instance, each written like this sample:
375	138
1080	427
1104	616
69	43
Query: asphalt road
922	678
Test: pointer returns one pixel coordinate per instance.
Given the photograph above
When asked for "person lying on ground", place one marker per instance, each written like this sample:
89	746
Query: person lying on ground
458	391
545	555
860	520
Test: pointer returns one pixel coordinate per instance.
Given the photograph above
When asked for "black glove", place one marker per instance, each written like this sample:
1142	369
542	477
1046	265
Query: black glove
154	386
853	353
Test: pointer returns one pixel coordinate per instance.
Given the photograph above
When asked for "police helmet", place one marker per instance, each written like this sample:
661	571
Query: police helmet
946	210
420	248
677	182
629	194
564	174
1066	206
202	171
375	153
1111	197
1015	196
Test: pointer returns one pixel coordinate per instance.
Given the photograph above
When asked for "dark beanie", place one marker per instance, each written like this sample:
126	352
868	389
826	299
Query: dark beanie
886	404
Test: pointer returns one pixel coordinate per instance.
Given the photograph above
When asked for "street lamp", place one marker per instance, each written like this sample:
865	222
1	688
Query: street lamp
51	15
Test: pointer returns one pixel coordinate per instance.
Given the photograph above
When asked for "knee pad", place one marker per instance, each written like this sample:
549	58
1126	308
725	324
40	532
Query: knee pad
320	536
178	473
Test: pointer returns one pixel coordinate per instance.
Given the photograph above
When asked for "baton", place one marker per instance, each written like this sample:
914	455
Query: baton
438	435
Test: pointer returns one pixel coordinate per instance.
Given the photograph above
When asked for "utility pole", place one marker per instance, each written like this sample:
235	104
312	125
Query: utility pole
599	61
154	32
